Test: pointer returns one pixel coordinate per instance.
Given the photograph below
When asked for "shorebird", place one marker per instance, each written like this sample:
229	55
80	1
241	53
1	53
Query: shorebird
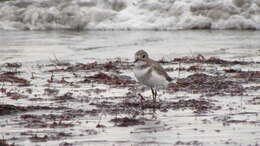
150	72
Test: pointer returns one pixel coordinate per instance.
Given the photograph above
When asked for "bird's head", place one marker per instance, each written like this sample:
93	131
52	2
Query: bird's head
141	55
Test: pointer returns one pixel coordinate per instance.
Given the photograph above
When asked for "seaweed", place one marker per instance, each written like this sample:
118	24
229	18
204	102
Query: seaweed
10	77
125	122
210	85
106	79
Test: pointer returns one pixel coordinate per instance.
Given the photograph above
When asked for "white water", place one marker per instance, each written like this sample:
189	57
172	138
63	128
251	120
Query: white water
129	14
84	46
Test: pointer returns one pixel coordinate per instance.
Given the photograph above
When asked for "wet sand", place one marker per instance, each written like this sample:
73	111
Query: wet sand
212	103
77	88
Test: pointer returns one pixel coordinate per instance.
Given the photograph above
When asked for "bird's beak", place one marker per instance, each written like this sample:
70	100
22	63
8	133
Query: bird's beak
135	60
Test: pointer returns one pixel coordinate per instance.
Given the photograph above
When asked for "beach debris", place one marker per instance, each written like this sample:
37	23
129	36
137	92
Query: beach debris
15	95
211	60
10	77
12	65
4	142
232	71
100	126
250	75
115	66
198	106
49	91
37	138
6	109
107	79
255	101
193	143
211	85
65	97
125	121
46	120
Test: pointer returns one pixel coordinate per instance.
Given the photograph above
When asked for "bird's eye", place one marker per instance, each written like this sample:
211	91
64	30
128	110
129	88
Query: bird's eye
143	56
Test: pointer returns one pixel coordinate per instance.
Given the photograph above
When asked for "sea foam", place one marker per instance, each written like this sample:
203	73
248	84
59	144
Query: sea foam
129	14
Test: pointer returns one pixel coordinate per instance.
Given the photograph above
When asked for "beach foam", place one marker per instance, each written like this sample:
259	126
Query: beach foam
130	14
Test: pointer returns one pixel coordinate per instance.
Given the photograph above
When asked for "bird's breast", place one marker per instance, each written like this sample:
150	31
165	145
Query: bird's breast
140	73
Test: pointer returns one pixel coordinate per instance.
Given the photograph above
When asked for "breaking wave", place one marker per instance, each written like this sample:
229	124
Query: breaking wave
129	14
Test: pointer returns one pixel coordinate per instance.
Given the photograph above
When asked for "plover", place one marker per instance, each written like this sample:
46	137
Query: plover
150	72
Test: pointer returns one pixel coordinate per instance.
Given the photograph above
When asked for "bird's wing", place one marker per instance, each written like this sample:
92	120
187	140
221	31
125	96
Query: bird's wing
160	70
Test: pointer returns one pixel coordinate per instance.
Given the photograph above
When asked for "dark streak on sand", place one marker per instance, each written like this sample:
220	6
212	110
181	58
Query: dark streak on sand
6	109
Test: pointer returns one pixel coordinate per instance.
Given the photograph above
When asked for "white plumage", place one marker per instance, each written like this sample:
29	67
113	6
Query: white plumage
155	80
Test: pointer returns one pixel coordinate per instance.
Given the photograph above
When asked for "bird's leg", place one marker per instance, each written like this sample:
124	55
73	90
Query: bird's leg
153	94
